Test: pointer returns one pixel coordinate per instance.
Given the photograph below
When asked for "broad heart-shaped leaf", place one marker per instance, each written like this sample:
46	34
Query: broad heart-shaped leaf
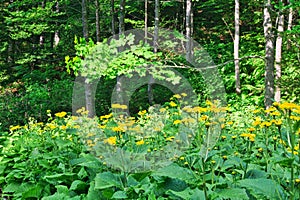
176	172
107	180
119	195
78	185
59	178
188	193
233	194
262	186
33	192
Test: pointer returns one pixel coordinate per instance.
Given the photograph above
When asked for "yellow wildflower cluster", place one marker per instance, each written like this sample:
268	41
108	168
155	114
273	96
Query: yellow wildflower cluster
119	106
111	140
250	136
61	114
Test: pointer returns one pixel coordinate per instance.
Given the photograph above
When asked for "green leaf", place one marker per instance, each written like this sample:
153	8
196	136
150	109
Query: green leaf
233	194
12	187
107	180
119	195
33	192
62	189
176	172
78	185
262	186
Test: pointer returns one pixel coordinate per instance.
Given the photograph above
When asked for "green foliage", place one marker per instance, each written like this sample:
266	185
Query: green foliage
251	160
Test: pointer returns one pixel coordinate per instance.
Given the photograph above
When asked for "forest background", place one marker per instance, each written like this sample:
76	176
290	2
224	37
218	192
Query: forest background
255	45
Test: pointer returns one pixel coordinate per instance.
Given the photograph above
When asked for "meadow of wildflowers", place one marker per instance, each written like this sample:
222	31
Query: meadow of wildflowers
175	151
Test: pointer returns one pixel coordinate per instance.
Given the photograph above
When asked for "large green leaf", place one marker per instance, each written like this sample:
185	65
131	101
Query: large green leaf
176	172
119	195
232	194
107	180
262	186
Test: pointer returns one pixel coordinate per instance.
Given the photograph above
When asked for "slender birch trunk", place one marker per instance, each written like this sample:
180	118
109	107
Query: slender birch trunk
155	48
97	21
278	54
269	55
236	46
188	29
89	100
56	33
146	20
289	25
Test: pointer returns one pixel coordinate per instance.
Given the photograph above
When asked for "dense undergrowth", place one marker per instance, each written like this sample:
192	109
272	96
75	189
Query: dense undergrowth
175	151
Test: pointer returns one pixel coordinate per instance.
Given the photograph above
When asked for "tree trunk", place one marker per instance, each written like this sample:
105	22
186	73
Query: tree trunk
278	54
121	31
269	55
188	29
146	20
56	33
289	25
122	17
89	97
113	26
97	21
42	37
236	46
155	47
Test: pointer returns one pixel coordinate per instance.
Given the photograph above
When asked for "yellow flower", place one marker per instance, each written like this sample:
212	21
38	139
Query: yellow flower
181	158
177	96
204	117
63	127
185	163
162	110
234	137
260	149
271	109
213	162
173	104
51	126
199	109
90	134
143	112
101	126
296	118
278	122
297	180
74	118
61	114
256	111
76	126
106	116
177	122
188	120
250	136
223	137
251	129
183	94
140	142
266	124
14	128
224	157
111	140
118	129
119	106
230	123
170	139
287	106
275	113
209	103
